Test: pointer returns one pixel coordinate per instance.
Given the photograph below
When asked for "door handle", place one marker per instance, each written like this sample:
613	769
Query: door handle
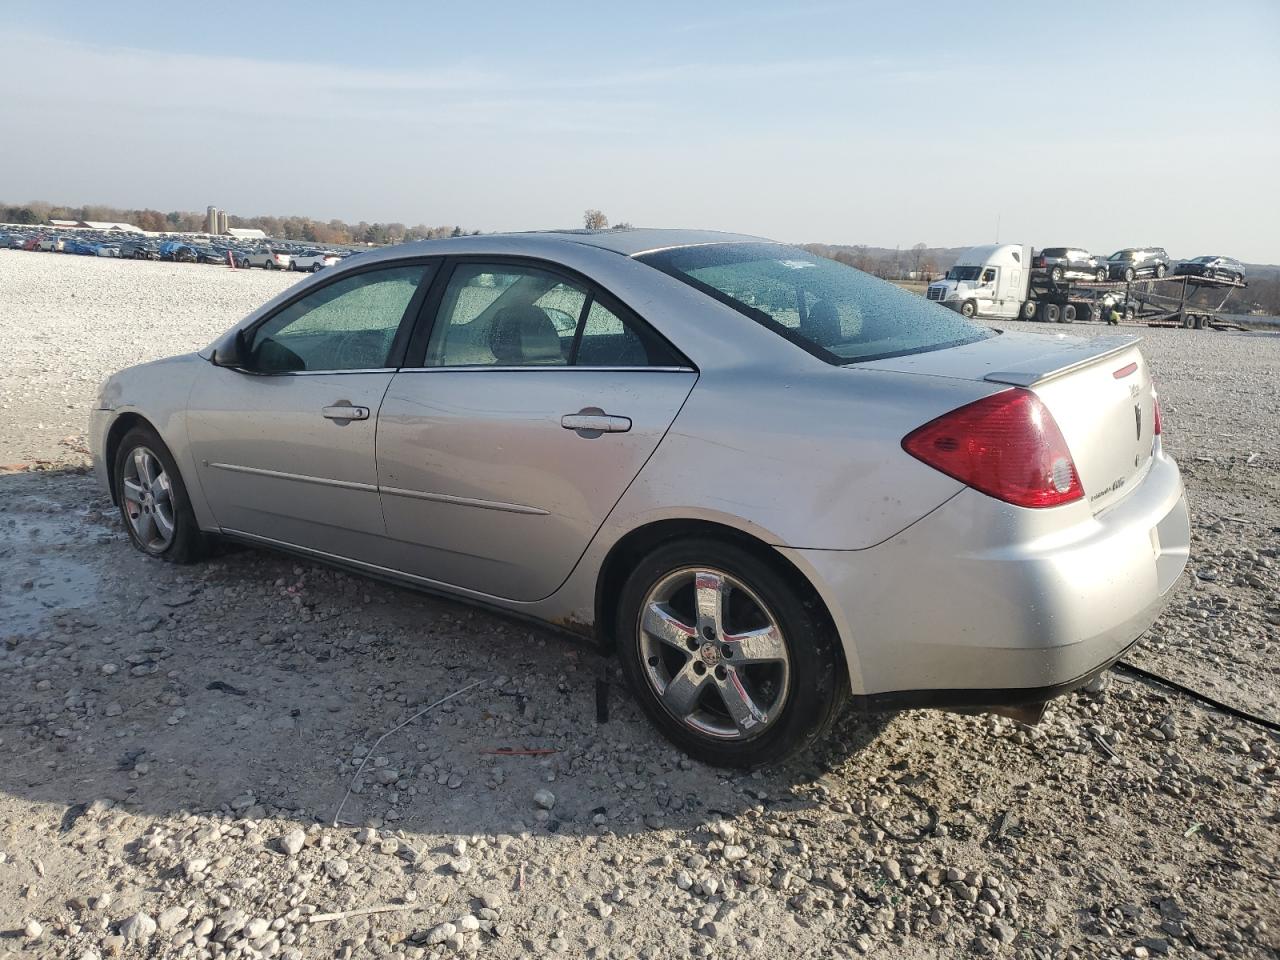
345	411
592	421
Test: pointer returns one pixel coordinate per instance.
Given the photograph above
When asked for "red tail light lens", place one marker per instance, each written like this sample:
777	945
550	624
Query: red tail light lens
1007	446
1159	420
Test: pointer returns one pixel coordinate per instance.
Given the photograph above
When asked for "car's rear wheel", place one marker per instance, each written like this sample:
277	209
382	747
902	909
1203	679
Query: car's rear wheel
1161	270
728	660
153	499
1101	276
317	267
1056	274
1129	274
269	265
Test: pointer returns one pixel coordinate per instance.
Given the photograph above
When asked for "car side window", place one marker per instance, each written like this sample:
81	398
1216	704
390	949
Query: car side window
503	315
349	324
609	340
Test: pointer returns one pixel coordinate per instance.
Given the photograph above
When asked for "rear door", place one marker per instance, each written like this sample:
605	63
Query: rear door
284	447
537	400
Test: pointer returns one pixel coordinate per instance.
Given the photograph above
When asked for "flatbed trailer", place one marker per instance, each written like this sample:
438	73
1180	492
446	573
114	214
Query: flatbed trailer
1155	302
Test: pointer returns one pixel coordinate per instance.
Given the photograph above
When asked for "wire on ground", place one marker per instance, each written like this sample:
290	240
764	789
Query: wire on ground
1125	667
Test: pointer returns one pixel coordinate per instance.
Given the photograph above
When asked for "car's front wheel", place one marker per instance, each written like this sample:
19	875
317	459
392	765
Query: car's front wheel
153	499
731	662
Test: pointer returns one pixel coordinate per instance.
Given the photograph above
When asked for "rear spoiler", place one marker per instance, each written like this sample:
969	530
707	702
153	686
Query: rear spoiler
1036	370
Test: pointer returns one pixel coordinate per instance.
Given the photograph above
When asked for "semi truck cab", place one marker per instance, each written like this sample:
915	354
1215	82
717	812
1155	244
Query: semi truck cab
987	281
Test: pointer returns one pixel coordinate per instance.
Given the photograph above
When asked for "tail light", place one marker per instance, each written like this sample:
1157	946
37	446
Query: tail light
1007	446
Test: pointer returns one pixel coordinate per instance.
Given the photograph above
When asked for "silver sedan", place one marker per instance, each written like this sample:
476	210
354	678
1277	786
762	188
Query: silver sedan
770	484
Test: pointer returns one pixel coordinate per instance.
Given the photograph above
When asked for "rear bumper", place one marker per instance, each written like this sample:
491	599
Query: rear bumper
982	604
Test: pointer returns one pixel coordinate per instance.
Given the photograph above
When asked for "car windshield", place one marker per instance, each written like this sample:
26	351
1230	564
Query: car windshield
834	311
1204	259
963	273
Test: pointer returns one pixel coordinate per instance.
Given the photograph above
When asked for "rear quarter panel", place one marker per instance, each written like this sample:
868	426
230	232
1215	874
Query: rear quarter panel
812	461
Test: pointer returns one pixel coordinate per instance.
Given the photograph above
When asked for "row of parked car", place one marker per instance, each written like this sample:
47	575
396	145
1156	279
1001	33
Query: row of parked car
1132	263
277	256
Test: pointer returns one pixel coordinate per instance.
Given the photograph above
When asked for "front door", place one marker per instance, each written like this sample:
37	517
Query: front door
539	401
284	447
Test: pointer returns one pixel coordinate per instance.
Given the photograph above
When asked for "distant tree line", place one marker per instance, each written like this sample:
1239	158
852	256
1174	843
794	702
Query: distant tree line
187	221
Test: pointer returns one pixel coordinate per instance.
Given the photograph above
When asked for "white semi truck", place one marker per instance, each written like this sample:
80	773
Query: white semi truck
987	281
995	280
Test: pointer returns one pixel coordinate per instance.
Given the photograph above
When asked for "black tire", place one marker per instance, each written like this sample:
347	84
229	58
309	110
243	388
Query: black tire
1051	313
1202	322
1188	321
1101	276
817	687
189	543
1068	313
969	309
1161	270
1056	274
317	267
269	265
1130	312
1029	310
1129	275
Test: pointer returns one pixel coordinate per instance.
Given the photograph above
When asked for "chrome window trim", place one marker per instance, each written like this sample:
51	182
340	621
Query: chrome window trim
314	373
561	367
299	477
466	501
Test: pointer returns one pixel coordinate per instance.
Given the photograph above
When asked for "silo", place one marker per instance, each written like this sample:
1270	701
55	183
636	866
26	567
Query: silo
222	221
211	220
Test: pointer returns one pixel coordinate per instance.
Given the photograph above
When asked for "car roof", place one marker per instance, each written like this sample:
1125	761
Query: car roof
628	241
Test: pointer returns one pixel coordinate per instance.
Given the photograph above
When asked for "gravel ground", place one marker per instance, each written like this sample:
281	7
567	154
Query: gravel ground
176	742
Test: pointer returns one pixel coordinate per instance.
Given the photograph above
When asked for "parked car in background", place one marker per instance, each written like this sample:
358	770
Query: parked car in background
988	531
269	259
1067	263
314	260
138	250
52	244
31	243
212	255
178	251
1212	268
1133	263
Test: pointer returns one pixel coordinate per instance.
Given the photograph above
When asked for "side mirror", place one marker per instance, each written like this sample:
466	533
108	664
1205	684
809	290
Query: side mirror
233	353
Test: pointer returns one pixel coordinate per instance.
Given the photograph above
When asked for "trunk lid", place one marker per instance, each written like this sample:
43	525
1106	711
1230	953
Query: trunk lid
1098	389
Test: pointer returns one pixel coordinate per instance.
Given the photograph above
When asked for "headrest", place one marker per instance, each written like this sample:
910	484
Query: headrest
524	334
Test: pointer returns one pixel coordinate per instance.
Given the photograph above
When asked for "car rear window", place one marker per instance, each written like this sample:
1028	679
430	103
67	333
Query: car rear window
834	311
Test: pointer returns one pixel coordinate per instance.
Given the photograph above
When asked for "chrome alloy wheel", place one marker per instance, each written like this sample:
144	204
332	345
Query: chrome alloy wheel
148	499
714	653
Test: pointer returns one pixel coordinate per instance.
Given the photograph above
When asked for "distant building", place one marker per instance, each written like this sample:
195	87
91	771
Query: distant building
222	221
211	220
107	225
94	225
247	233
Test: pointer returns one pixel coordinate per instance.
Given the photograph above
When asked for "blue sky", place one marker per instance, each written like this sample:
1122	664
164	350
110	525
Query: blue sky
1101	124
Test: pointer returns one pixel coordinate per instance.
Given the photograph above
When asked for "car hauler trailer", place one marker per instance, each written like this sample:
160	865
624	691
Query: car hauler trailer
996	281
